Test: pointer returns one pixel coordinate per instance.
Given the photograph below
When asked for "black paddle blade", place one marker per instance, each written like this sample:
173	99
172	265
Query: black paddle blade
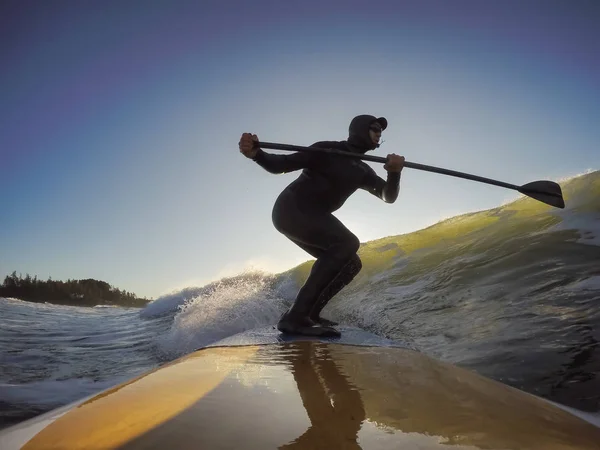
547	192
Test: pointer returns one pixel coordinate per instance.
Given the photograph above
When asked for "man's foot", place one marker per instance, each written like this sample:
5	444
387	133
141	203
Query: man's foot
306	327
323	321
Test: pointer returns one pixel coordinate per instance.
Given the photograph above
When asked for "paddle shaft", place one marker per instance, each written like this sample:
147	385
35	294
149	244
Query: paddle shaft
380	159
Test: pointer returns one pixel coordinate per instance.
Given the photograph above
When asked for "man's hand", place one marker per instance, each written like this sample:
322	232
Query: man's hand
246	145
394	163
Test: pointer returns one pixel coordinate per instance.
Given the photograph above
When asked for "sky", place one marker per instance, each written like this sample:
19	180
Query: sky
119	122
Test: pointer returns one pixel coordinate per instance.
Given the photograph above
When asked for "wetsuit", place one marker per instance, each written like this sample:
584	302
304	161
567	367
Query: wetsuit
303	213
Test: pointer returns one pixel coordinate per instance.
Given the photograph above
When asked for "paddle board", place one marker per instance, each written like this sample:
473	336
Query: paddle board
261	389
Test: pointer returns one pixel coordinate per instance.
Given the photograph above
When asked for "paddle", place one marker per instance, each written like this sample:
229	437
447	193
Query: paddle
547	192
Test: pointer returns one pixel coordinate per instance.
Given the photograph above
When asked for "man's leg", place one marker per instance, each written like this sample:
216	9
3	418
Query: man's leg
344	277
332	244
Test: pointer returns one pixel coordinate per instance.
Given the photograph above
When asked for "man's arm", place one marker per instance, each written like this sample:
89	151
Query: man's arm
272	163
282	163
387	190
288	163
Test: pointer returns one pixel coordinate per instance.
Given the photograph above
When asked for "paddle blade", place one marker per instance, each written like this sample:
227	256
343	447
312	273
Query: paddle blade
547	192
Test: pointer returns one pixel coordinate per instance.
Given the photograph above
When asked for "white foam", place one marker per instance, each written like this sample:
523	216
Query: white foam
586	224
228	308
568	178
589	284
170	302
590	240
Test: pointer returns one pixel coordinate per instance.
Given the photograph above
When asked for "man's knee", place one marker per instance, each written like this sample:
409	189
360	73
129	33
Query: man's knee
351	269
354	266
350	247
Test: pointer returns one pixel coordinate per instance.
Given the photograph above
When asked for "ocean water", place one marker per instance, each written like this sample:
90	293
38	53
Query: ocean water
512	293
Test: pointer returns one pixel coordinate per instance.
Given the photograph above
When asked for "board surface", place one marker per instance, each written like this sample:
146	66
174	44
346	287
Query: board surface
261	389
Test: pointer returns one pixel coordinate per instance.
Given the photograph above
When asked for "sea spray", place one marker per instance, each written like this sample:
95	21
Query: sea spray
229	306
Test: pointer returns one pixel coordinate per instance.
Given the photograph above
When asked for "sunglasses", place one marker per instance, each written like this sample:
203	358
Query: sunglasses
375	128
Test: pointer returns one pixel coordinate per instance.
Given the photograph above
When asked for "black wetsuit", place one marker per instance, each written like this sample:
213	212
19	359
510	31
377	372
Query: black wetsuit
303	213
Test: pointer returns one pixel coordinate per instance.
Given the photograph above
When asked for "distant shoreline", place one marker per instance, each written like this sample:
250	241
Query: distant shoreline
88	292
68	302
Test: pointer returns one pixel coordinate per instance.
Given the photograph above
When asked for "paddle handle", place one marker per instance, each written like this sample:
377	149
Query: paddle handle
379	159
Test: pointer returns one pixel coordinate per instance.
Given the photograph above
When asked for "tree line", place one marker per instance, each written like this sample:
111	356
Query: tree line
88	292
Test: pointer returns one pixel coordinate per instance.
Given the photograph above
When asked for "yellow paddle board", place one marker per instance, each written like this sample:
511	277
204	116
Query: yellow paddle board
262	390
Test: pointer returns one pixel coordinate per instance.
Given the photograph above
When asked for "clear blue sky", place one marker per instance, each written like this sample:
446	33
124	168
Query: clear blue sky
119	121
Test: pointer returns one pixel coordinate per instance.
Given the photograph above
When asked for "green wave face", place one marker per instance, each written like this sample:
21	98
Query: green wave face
502	230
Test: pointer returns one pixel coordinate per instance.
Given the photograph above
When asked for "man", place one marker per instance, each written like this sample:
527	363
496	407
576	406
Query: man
303	213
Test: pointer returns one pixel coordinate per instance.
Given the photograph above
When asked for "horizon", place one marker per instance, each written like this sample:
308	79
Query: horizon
120	123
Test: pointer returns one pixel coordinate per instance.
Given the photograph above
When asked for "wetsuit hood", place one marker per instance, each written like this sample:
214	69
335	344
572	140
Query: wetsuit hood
358	138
